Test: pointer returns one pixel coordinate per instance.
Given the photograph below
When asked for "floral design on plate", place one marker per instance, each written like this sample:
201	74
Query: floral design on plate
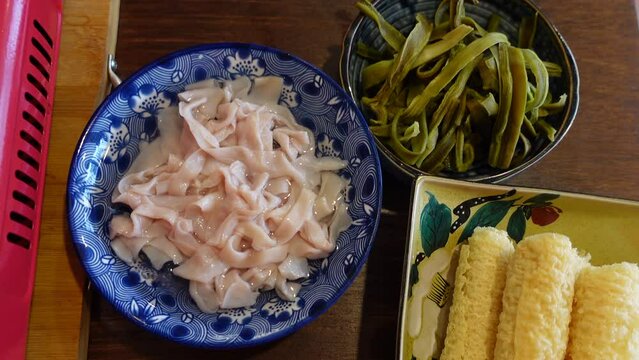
288	96
277	309
365	223
148	102
177	76
318	81
436	225
108	260
344	114
186	317
539	208
349	191
141	273
349	264
116	141
316	269
243	64
84	187
326	146
145	315
238	315
355	161
334	101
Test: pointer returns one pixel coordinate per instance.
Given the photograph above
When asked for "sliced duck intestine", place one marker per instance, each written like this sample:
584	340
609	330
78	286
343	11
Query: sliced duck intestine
232	194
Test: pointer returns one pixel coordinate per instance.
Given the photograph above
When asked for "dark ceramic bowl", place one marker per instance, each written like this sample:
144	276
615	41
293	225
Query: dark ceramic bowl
548	43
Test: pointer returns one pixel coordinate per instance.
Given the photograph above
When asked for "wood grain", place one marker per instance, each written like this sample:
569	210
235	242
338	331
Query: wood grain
55	327
597	156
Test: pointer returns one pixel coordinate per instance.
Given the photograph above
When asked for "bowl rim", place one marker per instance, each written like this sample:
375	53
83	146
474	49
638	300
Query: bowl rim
77	241
412	173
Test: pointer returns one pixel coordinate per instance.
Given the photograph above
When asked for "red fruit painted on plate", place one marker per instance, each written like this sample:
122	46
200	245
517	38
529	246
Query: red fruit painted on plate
545	215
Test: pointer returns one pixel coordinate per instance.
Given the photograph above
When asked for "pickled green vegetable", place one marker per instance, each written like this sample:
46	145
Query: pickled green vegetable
493	23
541	79
452	95
553	108
375	73
401	65
368	52
457	12
527	30
488	73
454	66
447	42
505	100
524	150
547	129
529	128
481	109
553	69
464	152
393	37
424	72
517	107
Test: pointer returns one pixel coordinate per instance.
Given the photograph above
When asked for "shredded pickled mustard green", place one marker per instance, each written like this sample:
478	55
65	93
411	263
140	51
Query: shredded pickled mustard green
393	37
452	95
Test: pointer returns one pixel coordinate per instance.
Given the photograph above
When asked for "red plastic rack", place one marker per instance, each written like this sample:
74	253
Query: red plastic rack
29	47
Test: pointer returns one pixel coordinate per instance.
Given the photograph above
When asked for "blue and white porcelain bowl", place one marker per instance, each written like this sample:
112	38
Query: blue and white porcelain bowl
159	301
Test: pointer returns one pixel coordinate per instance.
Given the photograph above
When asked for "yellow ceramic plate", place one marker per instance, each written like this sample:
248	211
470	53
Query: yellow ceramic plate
445	212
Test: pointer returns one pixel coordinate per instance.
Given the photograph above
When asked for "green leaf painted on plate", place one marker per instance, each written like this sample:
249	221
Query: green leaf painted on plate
435	221
488	215
541	199
463	210
527	211
517	224
413	277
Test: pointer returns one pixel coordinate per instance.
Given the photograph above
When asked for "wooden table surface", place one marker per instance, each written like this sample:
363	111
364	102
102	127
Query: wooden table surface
598	156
